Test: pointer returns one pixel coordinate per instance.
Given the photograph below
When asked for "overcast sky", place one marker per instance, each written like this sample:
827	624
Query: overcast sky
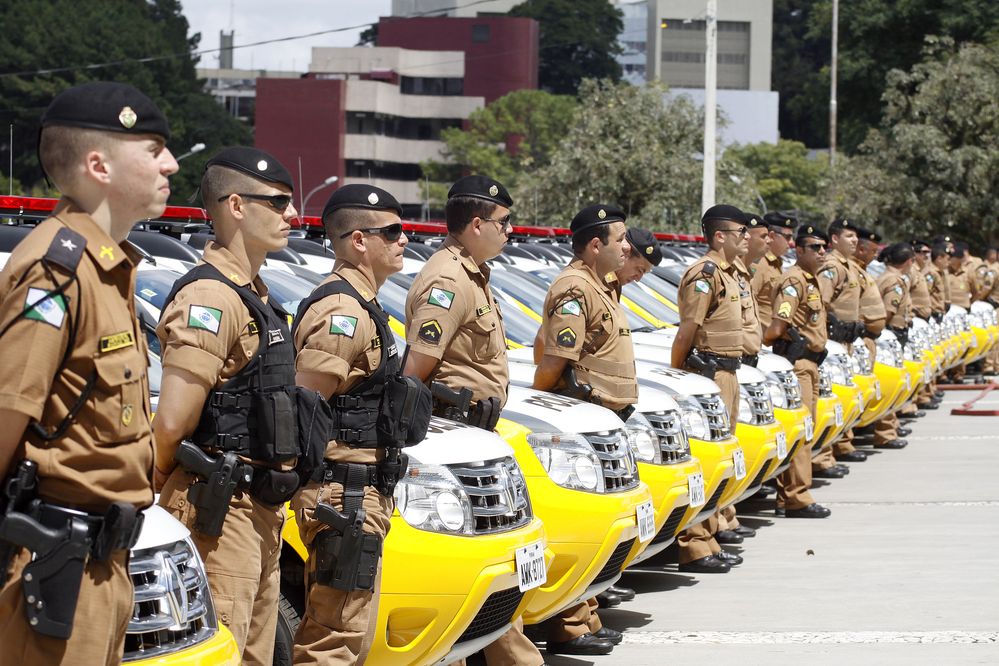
258	20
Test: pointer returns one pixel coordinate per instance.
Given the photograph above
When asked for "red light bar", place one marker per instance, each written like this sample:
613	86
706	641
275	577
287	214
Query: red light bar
431	228
682	238
307	222
28	204
542	232
562	231
184	213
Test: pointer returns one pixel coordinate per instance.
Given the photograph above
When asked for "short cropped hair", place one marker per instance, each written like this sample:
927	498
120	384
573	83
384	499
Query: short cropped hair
61	150
344	220
460	211
220	181
583	238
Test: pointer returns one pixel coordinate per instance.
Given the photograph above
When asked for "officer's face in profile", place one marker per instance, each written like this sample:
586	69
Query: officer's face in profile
613	255
845	242
866	251
635	267
382	246
494	231
780	241
811	253
140	167
759	242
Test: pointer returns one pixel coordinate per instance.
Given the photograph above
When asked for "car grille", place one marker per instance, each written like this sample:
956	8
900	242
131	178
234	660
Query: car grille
825	384
173	607
498	494
760	404
792	389
672	522
718	423
614	564
844	362
616	459
495	613
673	442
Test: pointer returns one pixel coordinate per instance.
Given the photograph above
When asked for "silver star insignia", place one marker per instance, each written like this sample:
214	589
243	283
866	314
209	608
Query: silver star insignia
68	244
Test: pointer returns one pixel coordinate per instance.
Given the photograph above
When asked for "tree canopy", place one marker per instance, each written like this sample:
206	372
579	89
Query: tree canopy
68	36
578	41
786	177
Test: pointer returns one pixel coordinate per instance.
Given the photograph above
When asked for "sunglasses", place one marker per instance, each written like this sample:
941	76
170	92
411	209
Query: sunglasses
788	237
391	232
742	231
278	202
503	221
814	247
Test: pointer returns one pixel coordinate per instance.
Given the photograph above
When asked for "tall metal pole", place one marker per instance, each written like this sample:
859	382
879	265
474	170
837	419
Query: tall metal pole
832	83
710	104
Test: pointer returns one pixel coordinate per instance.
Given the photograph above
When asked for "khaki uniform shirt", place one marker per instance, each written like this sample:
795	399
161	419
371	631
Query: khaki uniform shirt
872	308
895	295
337	337
451	316
752	334
960	287
994	293
840	287
799	303
766	274
106	454
919	292
710	296
935	284
981	277
584	323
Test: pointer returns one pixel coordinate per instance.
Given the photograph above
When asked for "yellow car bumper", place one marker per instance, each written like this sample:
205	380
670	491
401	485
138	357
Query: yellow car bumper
793	423
219	649
892	383
825	423
719	473
670	498
759	444
852	399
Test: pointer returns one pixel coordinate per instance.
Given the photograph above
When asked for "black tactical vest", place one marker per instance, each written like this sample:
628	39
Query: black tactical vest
254	413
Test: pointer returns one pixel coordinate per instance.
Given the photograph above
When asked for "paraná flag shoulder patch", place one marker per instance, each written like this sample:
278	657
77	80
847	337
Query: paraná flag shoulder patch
441	298
202	316
790	291
40	305
343	325
571	308
702	286
431	332
566	337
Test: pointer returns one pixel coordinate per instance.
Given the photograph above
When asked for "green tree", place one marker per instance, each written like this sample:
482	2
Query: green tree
578	41
935	163
69	37
785	176
634	146
508	138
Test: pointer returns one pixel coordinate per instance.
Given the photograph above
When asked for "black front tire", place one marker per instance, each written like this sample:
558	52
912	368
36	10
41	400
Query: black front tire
284	638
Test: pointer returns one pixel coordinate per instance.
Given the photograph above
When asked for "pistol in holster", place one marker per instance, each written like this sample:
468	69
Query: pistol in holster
793	347
18	490
346	557
451	404
390	470
575	388
702	365
485	413
212	493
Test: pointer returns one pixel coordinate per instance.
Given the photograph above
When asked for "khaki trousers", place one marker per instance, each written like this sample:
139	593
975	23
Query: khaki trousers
243	565
102	613
698	540
794	482
844	444
886	429
575	621
338	626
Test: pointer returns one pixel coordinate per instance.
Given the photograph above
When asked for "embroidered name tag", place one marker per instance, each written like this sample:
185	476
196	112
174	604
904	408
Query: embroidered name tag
485	309
116	341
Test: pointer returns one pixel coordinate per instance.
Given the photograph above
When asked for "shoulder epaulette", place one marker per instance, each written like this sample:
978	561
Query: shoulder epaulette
66	249
708	268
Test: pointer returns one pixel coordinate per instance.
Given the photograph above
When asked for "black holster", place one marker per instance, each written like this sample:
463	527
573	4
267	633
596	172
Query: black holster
346	557
901	333
485	414
390	470
793	347
451	404
211	495
18	490
701	364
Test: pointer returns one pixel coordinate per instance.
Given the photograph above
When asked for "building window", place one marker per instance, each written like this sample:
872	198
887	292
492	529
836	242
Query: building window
383	170
398	127
421	85
480	33
683	50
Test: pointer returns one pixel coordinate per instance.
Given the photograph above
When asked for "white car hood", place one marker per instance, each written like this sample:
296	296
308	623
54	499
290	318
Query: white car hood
451	443
541	411
771	362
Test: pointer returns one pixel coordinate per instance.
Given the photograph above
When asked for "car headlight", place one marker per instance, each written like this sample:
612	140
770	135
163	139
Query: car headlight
642	438
745	410
695	419
776	391
836	373
569	460
430	498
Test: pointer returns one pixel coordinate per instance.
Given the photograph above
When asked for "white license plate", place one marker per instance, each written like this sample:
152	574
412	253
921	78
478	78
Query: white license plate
695	489
781	445
927	374
809	428
531	566
646	518
908	382
877	390
739	460
839	415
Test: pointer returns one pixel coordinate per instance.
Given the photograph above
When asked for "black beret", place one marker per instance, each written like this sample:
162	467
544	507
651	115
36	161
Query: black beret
357	195
918	243
839	225
780	220
868	235
644	242
595	215
723	212
810	231
481	187
107	106
253	162
754	221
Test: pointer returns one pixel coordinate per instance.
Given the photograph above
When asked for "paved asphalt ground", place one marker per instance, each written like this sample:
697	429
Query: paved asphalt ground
905	571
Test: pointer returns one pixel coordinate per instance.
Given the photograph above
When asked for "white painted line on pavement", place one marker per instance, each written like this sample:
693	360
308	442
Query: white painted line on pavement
958	503
789	637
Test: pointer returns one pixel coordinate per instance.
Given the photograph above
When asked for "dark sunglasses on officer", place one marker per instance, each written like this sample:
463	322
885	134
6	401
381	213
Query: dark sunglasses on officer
278	202
391	232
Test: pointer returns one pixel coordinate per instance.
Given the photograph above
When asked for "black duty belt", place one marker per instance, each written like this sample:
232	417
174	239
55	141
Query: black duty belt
729	363
336	472
813	356
104	536
750	360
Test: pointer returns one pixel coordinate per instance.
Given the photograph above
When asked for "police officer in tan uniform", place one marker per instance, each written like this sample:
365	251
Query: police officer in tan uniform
76	436
346	352
958	279
584	349
841	289
767	270
922	306
935	270
872	309
709	341
226	345
798	332
456	339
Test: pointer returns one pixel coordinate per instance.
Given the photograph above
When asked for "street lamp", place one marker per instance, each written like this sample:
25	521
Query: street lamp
325	183
196	148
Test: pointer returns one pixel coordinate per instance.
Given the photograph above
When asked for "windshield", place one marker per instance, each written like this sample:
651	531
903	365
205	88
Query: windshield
288	289
153	286
650	304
